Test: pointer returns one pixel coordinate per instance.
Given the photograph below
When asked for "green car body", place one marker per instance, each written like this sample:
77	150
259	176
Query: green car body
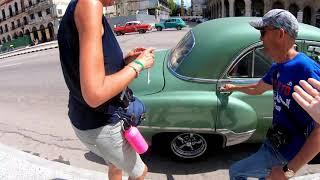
176	23
186	109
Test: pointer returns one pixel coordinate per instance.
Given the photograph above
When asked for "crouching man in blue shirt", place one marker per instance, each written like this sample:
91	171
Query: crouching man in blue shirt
294	138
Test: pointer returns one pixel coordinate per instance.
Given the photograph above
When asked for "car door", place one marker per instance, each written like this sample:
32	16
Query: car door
129	27
169	23
245	115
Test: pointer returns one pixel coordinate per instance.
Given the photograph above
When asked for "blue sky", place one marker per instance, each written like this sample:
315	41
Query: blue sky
187	3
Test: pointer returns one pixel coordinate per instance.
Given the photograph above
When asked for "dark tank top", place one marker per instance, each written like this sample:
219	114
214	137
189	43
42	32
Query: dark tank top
80	113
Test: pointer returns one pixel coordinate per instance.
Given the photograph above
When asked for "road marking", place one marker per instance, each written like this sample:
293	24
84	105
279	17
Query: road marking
8	65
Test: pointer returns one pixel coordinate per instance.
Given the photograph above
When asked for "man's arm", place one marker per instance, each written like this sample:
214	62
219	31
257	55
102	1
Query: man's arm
308	151
251	89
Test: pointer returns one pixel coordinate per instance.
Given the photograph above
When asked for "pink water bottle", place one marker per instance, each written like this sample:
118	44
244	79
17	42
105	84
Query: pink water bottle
135	139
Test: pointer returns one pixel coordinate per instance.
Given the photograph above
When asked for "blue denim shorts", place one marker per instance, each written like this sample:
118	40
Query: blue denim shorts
109	143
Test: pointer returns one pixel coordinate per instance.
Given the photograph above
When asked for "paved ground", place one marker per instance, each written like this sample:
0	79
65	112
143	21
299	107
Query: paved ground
33	119
18	165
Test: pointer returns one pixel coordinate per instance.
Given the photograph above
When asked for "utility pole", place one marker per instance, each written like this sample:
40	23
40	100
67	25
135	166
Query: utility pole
182	8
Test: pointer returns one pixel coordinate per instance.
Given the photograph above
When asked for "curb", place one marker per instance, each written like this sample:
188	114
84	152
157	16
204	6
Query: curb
40	47
15	164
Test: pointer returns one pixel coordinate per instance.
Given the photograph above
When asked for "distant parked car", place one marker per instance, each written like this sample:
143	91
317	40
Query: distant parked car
177	23
202	20
132	26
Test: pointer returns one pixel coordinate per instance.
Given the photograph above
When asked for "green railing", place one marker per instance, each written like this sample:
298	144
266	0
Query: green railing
16	43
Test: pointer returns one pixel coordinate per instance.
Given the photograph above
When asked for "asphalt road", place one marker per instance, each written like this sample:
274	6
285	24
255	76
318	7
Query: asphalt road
33	116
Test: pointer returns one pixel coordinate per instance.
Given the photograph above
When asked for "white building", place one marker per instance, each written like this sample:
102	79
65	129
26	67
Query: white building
38	19
306	11
197	7
158	8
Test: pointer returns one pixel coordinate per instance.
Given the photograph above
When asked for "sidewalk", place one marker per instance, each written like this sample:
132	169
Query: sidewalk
18	165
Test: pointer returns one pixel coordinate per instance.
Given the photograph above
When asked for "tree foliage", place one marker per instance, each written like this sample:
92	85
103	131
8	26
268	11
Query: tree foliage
172	6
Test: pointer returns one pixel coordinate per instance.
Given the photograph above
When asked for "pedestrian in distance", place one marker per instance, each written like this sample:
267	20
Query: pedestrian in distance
293	139
97	76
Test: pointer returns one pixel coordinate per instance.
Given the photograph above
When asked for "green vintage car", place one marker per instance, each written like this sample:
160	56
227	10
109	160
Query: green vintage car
176	23
186	111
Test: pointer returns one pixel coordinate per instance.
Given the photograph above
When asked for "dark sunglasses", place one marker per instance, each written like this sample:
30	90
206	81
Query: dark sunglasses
263	31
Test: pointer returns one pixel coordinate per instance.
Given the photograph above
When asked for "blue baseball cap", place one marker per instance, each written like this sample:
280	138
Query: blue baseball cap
278	18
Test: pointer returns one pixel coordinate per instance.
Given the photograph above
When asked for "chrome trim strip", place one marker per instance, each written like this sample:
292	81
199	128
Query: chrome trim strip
186	78
235	138
268	117
240	80
231	138
179	129
312	42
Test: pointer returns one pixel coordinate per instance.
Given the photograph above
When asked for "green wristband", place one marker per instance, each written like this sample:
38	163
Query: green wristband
140	63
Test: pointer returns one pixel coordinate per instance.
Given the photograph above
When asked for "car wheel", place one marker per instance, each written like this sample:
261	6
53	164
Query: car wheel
179	27
122	33
118	33
188	145
159	28
140	31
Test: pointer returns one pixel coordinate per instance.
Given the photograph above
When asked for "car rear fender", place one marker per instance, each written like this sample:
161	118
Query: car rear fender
236	117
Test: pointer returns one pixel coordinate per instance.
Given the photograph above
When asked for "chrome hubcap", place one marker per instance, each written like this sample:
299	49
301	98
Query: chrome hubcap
188	145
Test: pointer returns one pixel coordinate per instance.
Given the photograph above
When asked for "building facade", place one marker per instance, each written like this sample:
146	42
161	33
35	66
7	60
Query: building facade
38	19
197	7
306	11
158	8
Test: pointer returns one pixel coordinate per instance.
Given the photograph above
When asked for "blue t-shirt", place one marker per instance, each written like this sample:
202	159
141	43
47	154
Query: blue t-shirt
287	113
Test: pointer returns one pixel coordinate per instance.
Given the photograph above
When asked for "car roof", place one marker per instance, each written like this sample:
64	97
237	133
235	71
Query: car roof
221	40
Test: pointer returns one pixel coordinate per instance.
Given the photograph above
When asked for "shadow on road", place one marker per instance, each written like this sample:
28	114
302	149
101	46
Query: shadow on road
90	156
159	162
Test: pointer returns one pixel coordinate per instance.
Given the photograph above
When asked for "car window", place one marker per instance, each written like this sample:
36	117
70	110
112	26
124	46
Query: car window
313	51
262	63
254	64
183	48
243	69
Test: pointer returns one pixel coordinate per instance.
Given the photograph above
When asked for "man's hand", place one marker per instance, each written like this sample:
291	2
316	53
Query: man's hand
133	54
227	87
309	97
277	174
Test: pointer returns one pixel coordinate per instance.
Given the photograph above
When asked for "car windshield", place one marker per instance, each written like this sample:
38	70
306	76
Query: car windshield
184	47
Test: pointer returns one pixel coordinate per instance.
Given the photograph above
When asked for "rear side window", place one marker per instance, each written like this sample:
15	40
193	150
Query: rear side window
313	51
253	64
262	63
183	48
